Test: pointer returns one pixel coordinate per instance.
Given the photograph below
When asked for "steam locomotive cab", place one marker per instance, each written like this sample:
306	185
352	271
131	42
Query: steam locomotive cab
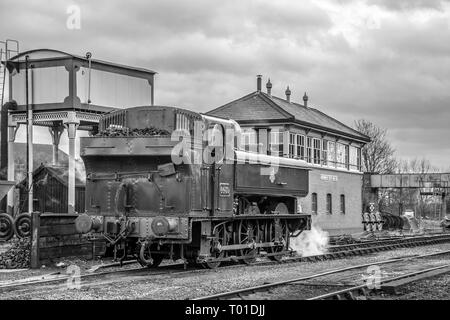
164	182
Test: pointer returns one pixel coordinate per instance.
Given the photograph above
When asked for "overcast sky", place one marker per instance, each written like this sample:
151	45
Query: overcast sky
385	61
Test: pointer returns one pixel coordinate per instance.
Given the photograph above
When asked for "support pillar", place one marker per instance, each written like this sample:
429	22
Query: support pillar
71	125
56	132
12	130
30	161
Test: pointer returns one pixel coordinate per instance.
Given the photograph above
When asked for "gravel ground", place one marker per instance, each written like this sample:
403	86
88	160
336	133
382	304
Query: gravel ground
196	284
53	269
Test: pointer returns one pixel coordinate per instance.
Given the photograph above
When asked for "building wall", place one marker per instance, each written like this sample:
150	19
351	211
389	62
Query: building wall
335	182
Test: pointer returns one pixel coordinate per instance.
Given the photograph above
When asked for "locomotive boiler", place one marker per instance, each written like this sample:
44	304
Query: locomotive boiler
168	183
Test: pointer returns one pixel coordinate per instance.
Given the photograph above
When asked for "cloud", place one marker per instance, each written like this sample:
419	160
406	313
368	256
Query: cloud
386	61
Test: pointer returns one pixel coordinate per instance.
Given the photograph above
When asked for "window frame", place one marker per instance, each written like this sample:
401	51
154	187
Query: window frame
292	145
309	149
277	151
316	151
247	137
324	158
300	146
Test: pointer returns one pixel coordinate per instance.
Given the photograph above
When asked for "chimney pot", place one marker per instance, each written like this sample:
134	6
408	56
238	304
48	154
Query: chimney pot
258	82
269	87
288	94
305	100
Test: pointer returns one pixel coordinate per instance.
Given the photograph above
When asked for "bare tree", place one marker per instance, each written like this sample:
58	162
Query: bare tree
377	155
421	166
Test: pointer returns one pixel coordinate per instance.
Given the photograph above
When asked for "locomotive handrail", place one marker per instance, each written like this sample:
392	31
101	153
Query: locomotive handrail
119	176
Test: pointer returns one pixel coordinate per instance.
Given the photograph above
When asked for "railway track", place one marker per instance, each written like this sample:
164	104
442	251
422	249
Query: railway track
350	293
347	292
336	252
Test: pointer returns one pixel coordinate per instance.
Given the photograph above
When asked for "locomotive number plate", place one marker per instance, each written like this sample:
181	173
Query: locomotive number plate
224	189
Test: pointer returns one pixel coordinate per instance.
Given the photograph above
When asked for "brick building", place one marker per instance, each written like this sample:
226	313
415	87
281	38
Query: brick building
333	151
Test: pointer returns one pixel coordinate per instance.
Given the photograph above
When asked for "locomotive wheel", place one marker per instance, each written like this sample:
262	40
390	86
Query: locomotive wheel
222	236
275	230
247	233
6	227
22	225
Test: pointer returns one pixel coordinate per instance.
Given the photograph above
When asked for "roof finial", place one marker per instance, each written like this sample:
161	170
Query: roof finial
305	100
269	87
288	94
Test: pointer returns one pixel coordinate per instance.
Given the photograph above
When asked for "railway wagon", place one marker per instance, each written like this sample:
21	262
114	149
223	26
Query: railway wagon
168	183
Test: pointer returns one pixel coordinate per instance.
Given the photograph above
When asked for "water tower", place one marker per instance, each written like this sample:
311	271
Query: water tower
66	92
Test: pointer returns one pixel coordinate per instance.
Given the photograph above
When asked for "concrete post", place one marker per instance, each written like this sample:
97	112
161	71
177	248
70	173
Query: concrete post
71	126
11	172
35	237
55	132
30	161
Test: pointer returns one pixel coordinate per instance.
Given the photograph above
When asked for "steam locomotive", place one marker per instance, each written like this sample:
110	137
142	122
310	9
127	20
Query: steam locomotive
168	183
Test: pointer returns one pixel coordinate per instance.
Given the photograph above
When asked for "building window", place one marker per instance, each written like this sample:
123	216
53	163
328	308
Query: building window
309	149
314	203
316	150
355	155
346	157
342	204
329	204
249	140
276	143
340	155
300	146
358	161
324	152
331	153
292	148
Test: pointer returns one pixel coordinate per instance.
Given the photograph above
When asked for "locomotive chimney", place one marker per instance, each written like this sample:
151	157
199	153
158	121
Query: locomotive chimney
288	94
269	87
258	82
305	100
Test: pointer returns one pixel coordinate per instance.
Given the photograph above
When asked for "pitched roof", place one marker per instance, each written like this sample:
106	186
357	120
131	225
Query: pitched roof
58	172
258	106
54	54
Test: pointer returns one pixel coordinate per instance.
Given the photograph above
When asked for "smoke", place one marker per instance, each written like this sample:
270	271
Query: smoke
80	170
311	242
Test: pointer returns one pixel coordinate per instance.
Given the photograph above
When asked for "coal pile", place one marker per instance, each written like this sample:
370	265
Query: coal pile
119	131
17	256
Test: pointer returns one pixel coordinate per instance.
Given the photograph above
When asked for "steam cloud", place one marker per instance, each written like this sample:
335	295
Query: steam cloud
81	171
311	242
